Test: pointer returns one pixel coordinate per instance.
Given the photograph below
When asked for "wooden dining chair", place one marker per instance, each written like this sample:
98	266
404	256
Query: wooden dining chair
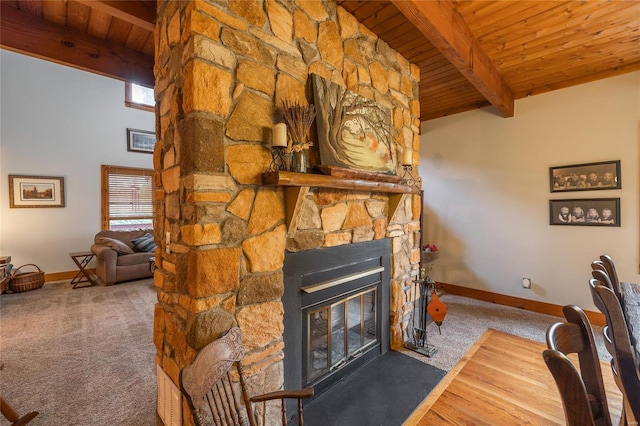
611	271
609	278
583	393
624	363
598	264
216	390
626	416
600	272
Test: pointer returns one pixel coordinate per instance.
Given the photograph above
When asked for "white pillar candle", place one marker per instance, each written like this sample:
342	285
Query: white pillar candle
279	134
407	157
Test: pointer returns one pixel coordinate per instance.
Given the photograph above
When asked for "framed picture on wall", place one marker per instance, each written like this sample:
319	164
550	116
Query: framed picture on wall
36	191
585	212
353	132
140	141
585	177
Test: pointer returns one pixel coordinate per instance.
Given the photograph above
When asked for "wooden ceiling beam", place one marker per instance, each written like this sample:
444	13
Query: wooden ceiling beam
33	36
531	88
444	112
445	28
139	13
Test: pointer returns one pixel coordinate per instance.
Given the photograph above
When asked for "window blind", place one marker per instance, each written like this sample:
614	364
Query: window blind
128	195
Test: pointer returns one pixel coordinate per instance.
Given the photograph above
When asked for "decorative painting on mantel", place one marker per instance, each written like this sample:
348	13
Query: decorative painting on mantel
353	132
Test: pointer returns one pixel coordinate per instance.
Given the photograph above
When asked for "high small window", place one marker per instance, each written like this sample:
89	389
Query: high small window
127	198
141	97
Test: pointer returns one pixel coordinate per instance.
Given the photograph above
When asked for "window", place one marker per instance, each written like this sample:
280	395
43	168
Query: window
127	198
136	96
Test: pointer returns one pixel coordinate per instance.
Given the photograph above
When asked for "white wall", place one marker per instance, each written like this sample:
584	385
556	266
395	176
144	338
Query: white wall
59	121
486	184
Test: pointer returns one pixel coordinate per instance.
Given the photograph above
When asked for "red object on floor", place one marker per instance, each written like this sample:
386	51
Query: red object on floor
436	308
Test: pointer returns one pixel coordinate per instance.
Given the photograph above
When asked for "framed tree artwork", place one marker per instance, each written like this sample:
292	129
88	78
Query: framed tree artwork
353	132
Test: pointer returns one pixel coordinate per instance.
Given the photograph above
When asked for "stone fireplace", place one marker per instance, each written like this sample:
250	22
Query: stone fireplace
223	69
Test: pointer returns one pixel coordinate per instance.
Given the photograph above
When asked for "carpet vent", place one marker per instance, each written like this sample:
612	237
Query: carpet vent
169	400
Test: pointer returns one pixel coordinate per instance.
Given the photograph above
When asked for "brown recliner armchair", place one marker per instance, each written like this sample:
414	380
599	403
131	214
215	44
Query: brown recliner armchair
117	259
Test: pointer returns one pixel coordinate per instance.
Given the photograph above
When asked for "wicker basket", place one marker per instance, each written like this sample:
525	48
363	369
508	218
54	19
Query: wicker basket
26	281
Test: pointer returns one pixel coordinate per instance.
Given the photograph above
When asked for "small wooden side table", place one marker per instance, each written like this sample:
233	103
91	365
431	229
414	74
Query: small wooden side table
4	276
84	275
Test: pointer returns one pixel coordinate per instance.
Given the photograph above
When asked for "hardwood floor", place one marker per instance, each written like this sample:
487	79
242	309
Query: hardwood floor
502	380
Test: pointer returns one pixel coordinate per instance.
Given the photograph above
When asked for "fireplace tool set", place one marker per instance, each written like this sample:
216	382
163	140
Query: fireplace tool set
426	304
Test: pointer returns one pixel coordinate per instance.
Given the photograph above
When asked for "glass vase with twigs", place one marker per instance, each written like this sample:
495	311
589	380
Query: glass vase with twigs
299	119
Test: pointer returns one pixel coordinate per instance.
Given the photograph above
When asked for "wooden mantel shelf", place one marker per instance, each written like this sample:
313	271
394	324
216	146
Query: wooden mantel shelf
281	178
298	185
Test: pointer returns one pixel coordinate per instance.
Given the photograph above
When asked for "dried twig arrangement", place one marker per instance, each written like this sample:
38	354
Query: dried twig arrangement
299	119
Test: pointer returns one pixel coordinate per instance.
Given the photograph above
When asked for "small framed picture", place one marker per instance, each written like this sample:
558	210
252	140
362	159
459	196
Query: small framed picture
585	212
585	177
36	191
140	141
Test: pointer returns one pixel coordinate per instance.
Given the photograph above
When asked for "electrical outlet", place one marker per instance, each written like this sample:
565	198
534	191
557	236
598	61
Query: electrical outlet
526	283
167	240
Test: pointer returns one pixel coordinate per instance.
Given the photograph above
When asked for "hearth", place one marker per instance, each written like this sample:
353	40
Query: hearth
336	311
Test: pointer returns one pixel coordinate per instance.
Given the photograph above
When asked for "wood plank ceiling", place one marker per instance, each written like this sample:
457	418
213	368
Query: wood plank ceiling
535	46
471	53
111	38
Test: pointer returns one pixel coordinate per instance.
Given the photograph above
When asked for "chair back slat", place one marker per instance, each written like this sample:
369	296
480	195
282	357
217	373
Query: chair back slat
232	397
611	271
617	336
213	405
566	338
575	400
576	336
245	394
225	406
599	265
603	277
606	337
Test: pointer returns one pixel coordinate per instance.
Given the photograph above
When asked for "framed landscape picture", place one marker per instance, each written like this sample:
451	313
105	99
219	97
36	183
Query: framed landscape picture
36	191
140	141
585	177
585	212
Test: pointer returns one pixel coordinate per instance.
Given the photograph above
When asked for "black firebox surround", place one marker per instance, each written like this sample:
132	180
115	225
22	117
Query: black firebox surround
312	266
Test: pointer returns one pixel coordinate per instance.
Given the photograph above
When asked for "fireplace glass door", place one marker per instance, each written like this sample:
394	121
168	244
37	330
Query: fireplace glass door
339	332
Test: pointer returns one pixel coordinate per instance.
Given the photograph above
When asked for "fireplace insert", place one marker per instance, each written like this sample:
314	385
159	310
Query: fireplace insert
336	311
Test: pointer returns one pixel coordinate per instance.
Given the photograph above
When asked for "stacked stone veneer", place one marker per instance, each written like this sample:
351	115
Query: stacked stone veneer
223	69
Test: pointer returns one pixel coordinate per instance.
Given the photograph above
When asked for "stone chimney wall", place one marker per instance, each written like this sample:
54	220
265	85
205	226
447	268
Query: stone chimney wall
222	70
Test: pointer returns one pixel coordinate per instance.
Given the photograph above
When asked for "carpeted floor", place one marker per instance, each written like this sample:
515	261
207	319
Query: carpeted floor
80	357
86	356
467	319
